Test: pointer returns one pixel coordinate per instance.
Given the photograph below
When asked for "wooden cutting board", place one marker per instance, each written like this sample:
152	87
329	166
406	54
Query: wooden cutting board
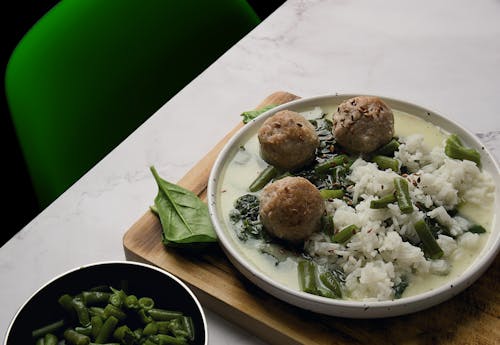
472	317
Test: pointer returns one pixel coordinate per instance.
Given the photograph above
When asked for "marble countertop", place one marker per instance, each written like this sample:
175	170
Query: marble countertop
443	55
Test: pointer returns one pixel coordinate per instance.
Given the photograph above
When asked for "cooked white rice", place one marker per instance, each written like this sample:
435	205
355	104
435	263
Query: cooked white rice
380	254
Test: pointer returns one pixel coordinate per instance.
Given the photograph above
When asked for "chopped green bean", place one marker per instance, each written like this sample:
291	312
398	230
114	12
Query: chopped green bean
389	148
144	317
169	340
385	163
124	334
383	201
187	322
131	302
40	341
146	303
403	195
164	315
50	339
117	298
454	149
331	193
345	234
150	329
307	276
323	167
66	301
111	310
96	322
330	281
84	330
106	330
75	338
430	246
91	298
81	311
50	328
97	311
477	229
264	178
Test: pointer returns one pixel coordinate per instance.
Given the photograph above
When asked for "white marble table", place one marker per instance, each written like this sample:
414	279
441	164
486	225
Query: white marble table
444	55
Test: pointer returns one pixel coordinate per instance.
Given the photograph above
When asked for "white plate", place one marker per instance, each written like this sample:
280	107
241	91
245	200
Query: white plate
347	308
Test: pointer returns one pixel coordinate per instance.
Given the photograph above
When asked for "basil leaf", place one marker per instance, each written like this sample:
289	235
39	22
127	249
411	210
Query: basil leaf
183	216
252	114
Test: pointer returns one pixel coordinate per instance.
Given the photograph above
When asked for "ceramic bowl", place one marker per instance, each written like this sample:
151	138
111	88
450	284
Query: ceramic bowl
167	291
349	308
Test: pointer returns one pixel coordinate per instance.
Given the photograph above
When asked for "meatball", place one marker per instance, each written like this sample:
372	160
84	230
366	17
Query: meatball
291	208
363	124
287	140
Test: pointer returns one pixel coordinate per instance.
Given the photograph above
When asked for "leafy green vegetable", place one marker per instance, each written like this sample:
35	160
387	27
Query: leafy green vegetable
252	114
245	217
400	288
184	217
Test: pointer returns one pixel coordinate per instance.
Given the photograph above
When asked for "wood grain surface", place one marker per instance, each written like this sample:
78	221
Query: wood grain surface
472	317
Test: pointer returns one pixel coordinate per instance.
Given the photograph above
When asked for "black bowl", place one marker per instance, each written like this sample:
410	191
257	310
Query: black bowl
167	291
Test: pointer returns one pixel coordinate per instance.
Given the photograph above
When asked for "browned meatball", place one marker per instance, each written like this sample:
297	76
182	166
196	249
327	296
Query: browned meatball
287	140
363	124
291	208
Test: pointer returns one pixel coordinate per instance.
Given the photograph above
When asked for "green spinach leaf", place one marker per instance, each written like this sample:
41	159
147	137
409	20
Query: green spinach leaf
183	216
252	114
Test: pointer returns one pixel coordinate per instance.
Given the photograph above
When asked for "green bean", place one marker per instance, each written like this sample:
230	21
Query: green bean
96	322
331	193
477	229
149	342
307	276
143	316
106	330
50	328
430	246
454	149
188	324
323	167
389	148
97	311
150	329
169	340
84	330
164	315
124	334
108	344
50	339
66	301
146	303
385	163
95	297
111	310
383	201
138	333
264	177
403	195
117	298
345	234
40	341
75	338
131	302
330	281
81	311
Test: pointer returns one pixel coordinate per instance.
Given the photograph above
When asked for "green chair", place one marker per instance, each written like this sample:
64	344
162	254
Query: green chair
89	72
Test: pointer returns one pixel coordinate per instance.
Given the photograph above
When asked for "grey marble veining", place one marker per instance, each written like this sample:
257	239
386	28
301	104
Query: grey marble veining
444	55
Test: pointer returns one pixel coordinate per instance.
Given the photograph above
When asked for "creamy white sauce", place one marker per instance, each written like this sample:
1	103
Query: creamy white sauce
247	164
